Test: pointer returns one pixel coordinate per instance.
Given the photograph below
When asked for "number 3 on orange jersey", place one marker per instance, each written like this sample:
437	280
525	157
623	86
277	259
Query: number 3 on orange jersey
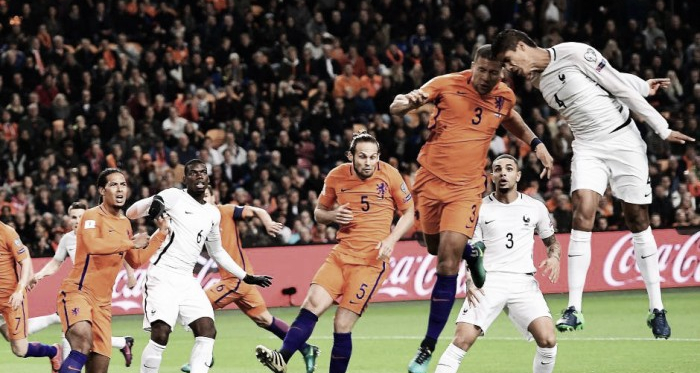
472	218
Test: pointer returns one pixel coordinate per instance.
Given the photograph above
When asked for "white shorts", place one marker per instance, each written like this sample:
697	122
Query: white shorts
620	161
518	295
168	294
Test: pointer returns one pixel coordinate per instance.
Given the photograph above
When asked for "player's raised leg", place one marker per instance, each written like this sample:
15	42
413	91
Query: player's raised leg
645	252
585	204
42	322
465	336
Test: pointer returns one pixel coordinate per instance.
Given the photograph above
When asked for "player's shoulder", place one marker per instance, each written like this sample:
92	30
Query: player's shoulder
226	209
342	171
387	169
502	89
171	192
574	51
6	230
527	200
451	78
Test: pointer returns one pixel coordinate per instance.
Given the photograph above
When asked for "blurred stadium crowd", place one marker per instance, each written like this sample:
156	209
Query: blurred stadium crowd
268	93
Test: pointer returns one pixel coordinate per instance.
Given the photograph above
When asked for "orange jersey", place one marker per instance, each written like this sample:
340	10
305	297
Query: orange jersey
462	125
231	240
373	202
101	242
12	251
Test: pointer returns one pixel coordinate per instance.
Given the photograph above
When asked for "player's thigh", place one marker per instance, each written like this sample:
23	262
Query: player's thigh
489	306
162	294
330	275
427	201
629	178
459	215
361	282
589	171
102	331
194	304
526	303
224	293
252	303
16	320
73	307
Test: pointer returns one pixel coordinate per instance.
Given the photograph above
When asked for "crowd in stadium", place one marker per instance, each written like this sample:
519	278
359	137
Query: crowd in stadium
269	93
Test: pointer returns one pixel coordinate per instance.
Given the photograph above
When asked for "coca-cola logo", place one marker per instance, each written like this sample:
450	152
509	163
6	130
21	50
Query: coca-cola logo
678	262
416	274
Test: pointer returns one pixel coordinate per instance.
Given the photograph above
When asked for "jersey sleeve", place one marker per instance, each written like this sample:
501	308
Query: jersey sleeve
19	251
638	84
433	87
399	191
61	250
328	195
217	252
545	227
596	67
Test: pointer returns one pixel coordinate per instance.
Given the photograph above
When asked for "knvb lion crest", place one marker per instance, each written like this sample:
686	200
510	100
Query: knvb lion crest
382	188
499	102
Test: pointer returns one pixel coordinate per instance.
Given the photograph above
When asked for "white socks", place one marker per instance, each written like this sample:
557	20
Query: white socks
579	261
42	322
65	347
648	262
118	342
202	351
450	359
151	357
544	360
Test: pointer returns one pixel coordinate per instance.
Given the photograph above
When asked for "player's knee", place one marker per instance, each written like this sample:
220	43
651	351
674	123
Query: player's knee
548	340
583	220
160	332
463	341
261	321
19	349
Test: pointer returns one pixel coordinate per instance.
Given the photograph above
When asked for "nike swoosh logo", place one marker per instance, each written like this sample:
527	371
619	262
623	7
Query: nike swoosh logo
147	367
644	257
461	93
647	195
344	189
464	312
208	365
351	302
72	368
189	212
571	256
543	363
489	222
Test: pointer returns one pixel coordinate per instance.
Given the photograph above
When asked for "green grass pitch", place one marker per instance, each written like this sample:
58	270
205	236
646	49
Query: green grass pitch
615	339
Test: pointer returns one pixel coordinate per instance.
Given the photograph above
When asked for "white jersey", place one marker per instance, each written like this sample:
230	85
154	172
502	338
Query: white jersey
66	247
192	226
507	231
593	97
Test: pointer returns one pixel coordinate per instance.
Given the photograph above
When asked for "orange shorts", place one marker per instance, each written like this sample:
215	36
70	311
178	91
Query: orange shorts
444	206
78	306
16	320
246	297
352	278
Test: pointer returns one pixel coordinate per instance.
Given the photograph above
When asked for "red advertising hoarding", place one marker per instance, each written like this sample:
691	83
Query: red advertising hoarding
413	271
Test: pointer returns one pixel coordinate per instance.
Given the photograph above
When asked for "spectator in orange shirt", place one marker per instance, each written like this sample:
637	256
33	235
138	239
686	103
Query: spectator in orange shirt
347	81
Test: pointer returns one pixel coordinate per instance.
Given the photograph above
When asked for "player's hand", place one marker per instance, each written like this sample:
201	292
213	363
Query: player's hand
678	137
16	299
273	228
551	268
140	240
473	294
385	247
163	223
343	214
32	283
131	282
655	84
262	281
416	97
547	161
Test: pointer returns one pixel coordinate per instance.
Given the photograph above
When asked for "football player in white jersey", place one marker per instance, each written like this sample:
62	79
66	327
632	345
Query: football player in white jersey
506	226
596	100
170	290
66	247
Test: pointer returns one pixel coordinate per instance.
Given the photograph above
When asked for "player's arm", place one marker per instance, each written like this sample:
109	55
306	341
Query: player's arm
130	276
55	263
645	87
139	209
386	246
137	258
272	227
515	124
402	104
325	214
26	272
609	78
223	259
545	229
96	245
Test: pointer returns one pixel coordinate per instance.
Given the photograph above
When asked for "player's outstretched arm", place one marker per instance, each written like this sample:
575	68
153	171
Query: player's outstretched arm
551	263
272	227
386	246
139	209
49	269
515	124
224	260
402	104
136	258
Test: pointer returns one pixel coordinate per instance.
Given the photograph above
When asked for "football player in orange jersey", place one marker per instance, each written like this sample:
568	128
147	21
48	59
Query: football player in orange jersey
361	197
13	300
469	106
